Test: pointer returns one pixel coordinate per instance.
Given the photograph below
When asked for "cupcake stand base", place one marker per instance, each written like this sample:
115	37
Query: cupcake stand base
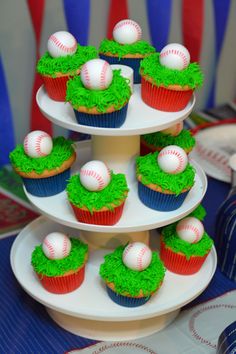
88	311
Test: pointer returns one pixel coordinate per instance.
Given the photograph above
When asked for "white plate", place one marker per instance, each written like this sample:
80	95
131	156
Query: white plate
140	118
136	216
91	301
214	146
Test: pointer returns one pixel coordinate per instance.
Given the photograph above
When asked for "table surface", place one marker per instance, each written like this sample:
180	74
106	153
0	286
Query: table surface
25	326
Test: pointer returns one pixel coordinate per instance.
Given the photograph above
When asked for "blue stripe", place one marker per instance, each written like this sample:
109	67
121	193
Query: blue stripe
6	121
159	16
77	14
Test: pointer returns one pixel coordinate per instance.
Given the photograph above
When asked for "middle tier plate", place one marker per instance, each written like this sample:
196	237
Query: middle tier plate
136	216
141	119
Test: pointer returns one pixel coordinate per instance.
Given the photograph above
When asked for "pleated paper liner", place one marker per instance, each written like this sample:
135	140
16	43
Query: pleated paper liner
104	120
160	201
126	300
178	262
107	217
164	99
46	187
63	284
134	63
56	87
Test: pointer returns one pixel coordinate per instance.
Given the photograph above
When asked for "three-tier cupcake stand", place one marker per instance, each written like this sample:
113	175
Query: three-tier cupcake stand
88	311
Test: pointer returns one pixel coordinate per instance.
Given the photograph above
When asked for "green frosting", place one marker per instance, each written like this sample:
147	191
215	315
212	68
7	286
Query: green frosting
61	151
113	193
192	76
199	213
139	47
54	267
117	94
130	281
148	168
185	140
48	65
171	239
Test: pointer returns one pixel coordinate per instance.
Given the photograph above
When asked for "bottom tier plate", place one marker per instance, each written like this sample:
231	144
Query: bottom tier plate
90	303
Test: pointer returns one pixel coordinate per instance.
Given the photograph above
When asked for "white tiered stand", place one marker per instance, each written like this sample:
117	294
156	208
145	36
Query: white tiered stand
88	311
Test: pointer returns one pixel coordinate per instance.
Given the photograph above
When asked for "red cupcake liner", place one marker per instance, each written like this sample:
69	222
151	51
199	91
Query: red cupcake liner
164	99
146	149
62	284
108	217
178	263
56	87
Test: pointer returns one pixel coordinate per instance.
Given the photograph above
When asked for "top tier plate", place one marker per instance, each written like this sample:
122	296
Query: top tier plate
141	119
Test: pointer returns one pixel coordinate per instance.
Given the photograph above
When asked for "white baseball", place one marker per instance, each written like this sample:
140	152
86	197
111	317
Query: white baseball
175	56
56	245
37	144
95	175
174	130
127	32
190	229
137	256
61	44
96	74
172	159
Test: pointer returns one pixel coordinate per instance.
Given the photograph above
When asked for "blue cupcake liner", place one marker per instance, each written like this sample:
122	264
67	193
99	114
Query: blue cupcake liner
134	63
160	201
104	120
46	187
125	300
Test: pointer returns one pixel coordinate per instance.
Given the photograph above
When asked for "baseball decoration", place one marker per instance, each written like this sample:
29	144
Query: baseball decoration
127	32
96	74
137	256
38	144
56	245
175	56
190	229
172	159
95	175
174	130
61	44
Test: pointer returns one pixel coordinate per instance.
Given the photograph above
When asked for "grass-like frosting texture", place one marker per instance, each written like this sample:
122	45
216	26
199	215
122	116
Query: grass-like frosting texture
171	240
55	267
117	94
61	151
128	281
148	168
185	140
113	47
113	194
199	212
69	64
192	76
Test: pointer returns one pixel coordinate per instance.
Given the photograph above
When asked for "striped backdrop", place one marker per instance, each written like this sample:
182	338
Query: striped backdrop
206	27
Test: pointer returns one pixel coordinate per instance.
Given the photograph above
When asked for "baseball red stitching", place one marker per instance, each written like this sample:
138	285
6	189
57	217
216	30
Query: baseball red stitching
26	144
61	45
50	248
192	228
176	52
123	344
38	144
94	174
213	157
103	75
130	22
65	247
140	259
176	153
86	75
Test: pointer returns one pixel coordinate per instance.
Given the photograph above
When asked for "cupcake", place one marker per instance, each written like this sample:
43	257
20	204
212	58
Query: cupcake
132	274
99	96
158	140
97	195
59	263
199	212
43	163
164	178
126	47
169	79
62	61
185	246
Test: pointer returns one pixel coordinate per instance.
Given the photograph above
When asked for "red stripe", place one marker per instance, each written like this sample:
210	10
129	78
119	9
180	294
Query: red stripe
118	11
37	120
193	20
